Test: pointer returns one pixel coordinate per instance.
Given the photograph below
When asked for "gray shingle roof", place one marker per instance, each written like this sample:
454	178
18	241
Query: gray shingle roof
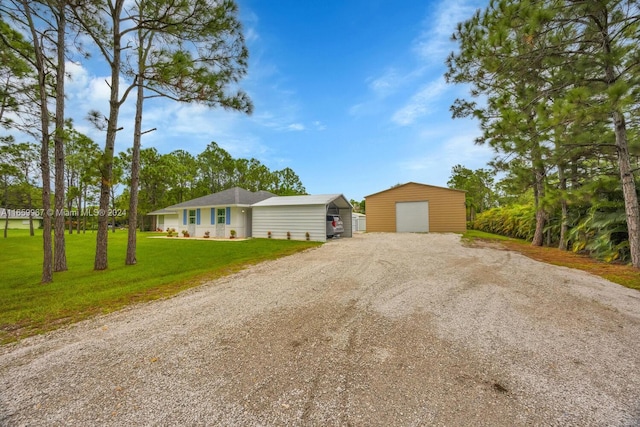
230	197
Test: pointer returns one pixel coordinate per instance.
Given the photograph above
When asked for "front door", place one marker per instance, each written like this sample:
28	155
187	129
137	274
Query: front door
191	228
221	220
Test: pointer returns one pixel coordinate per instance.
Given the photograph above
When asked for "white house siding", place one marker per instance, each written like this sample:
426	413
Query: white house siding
237	218
166	222
296	219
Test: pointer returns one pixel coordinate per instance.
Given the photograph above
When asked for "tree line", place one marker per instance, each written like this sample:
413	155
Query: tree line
554	85
168	179
164	180
185	51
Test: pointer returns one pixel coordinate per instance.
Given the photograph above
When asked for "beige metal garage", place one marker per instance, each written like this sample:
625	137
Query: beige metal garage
414	207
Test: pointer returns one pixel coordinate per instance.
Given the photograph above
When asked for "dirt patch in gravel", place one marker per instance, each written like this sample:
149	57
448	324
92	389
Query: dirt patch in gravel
380	329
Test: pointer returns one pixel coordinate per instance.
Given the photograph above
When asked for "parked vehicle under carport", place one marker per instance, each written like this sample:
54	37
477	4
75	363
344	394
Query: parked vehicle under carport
335	226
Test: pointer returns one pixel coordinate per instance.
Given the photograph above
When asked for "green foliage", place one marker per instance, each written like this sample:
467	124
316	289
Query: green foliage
602	233
167	179
17	73
208	70
479	187
165	267
516	221
359	207
559	84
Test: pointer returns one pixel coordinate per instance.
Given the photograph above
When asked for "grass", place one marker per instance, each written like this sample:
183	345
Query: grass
165	267
624	275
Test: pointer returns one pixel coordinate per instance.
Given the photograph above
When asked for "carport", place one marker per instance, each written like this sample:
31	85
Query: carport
295	216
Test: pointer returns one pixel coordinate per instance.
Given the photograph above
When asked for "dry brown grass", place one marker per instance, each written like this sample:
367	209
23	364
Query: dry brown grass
624	275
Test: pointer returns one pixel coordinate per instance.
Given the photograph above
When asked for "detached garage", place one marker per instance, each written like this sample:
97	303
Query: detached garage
416	208
299	215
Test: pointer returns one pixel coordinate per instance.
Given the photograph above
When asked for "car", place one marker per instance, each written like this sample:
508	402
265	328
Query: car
334	225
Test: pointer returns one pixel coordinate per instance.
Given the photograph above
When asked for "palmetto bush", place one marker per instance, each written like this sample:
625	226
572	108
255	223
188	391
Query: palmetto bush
517	221
602	233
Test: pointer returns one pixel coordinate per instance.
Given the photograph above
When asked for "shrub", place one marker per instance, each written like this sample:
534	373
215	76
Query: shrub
517	221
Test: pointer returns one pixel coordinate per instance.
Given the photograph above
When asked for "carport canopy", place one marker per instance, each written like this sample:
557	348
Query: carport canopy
299	214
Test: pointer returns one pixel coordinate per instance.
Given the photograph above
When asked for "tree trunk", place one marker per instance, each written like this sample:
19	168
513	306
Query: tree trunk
100	262
135	168
564	224
47	258
631	208
538	236
628	187
60	253
113	209
6	207
30	202
84	211
78	206
135	159
70	210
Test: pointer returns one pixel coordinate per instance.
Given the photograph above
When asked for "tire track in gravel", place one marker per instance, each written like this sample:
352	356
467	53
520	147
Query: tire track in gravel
380	329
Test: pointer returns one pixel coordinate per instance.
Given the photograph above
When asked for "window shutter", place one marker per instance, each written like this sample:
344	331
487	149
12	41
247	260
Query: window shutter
198	216
228	215
184	217
213	216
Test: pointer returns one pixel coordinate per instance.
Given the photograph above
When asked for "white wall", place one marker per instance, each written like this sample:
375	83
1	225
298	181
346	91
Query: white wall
359	222
298	220
168	221
239	222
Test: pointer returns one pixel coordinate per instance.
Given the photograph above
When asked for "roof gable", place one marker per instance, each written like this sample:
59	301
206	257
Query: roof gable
229	197
414	183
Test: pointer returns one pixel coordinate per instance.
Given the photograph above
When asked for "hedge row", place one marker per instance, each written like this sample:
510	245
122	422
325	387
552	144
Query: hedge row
517	221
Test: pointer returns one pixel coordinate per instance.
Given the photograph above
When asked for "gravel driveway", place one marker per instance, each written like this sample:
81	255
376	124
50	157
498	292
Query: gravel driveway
380	329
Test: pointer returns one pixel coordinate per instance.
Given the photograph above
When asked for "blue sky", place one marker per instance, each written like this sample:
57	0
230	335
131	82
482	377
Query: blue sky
349	94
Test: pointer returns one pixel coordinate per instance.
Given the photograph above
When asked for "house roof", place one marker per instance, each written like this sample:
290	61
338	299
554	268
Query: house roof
232	196
163	212
414	183
20	213
321	199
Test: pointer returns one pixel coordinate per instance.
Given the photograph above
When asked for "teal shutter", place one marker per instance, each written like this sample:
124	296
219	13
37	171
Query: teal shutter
228	215
184	217
198	216
213	216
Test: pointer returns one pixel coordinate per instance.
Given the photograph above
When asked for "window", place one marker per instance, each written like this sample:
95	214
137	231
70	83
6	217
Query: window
192	216
221	216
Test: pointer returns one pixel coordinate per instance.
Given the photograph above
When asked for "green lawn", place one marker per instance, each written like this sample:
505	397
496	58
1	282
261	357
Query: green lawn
165	267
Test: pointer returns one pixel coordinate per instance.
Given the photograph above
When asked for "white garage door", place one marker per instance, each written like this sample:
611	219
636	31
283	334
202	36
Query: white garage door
412	217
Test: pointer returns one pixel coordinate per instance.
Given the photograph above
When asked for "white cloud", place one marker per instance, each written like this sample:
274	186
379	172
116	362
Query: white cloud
319	125
385	84
420	104
446	147
435	41
77	77
295	127
251	35
429	49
